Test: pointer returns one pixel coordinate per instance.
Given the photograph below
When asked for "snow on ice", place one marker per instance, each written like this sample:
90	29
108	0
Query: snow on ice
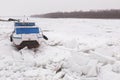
77	49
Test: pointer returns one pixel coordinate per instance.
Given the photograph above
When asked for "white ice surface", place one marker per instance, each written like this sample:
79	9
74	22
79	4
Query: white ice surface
77	49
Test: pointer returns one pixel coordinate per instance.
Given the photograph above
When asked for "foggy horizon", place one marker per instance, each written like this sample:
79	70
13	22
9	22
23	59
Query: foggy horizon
30	7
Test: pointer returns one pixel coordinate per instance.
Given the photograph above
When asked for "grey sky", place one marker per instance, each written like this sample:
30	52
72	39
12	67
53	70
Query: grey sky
28	7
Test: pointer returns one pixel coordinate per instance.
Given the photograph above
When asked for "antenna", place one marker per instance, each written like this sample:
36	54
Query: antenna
25	18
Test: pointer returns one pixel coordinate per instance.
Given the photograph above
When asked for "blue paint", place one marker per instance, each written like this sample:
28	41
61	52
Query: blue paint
26	30
24	24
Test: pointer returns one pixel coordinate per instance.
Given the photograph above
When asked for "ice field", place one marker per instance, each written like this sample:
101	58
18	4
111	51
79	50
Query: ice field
77	49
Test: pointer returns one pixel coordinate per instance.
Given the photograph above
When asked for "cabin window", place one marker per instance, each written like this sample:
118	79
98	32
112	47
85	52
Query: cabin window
24	24
26	30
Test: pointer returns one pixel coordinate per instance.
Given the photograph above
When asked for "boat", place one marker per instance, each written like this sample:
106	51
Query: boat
27	34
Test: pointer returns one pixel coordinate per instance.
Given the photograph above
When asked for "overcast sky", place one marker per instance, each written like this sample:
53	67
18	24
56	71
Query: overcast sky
28	7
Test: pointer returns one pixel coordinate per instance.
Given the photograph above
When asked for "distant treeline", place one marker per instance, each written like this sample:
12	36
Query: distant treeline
112	14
